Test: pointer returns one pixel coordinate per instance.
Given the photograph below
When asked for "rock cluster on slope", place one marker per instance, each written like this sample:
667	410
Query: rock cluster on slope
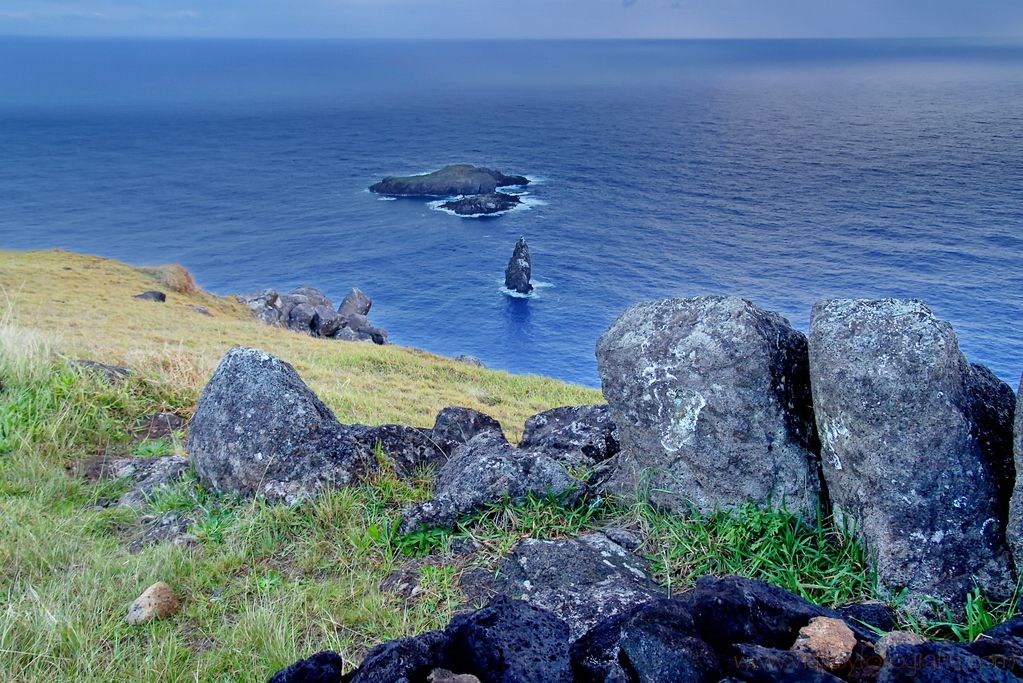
308	310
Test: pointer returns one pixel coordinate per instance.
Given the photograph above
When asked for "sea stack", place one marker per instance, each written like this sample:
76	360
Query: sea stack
516	275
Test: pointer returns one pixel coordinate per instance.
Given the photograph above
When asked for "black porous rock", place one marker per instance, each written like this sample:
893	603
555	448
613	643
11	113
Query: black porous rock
510	641
654	642
456	426
409	449
905	425
409	660
259	430
482	204
520	269
711	399
758	664
584	580
151	295
454	180
875	615
322	667
937	662
487	470
574	436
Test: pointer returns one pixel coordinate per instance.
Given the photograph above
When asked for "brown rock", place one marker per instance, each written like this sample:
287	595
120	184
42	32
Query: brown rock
445	676
890	640
156	602
828	640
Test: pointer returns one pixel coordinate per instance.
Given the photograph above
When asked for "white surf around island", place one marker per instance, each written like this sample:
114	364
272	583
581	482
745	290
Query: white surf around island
525	204
538	287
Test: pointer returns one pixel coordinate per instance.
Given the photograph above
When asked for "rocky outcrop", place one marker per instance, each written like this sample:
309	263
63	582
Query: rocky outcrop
575	436
470	360
259	430
907	449
450	181
456	426
1015	528
151	295
711	398
520	269
310	311
584	580
482	204
486	470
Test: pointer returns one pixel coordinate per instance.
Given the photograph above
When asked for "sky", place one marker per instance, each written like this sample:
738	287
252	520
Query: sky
429	19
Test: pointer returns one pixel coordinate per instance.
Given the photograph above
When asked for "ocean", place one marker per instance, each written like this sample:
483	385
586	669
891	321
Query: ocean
781	171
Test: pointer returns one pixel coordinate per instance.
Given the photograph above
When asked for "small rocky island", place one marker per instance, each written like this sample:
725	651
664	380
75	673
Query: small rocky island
483	204
520	269
450	181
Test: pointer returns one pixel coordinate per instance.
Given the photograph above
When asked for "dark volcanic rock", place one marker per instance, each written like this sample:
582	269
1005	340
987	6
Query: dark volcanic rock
482	204
151	295
758	664
486	470
410	449
259	430
114	374
711	398
871	614
510	641
470	360
322	667
1015	529
903	452
356	302
145	475
936	662
409	660
584	580
656	642
520	269
574	436
455	426
266	305
455	180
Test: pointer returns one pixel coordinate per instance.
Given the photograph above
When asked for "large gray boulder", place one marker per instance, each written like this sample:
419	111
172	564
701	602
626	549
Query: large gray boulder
483	471
905	449
1015	529
259	430
711	400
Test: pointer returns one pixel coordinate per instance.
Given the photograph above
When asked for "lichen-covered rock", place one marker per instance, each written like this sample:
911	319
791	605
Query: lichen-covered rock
520	269
455	426
259	430
583	580
1015	528
487	470
409	449
144	475
711	398
905	458
582	436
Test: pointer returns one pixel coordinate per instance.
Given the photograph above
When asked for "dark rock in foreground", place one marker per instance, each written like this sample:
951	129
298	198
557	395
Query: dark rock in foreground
151	295
711	397
259	430
143	475
585	580
576	436
1015	528
322	667
520	269
308	310
482	204
906	426
458	179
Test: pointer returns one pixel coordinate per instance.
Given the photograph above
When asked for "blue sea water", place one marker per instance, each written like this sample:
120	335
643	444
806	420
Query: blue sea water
782	171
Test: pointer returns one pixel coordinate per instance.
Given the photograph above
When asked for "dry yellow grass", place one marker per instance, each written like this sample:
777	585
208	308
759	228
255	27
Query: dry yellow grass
84	305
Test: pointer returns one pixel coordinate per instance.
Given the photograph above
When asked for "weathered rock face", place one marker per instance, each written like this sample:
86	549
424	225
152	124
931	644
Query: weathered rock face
1015	529
904	455
259	430
483	204
410	449
457	179
487	470
711	399
576	436
308	310
145	476
455	426
520	269
584	580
